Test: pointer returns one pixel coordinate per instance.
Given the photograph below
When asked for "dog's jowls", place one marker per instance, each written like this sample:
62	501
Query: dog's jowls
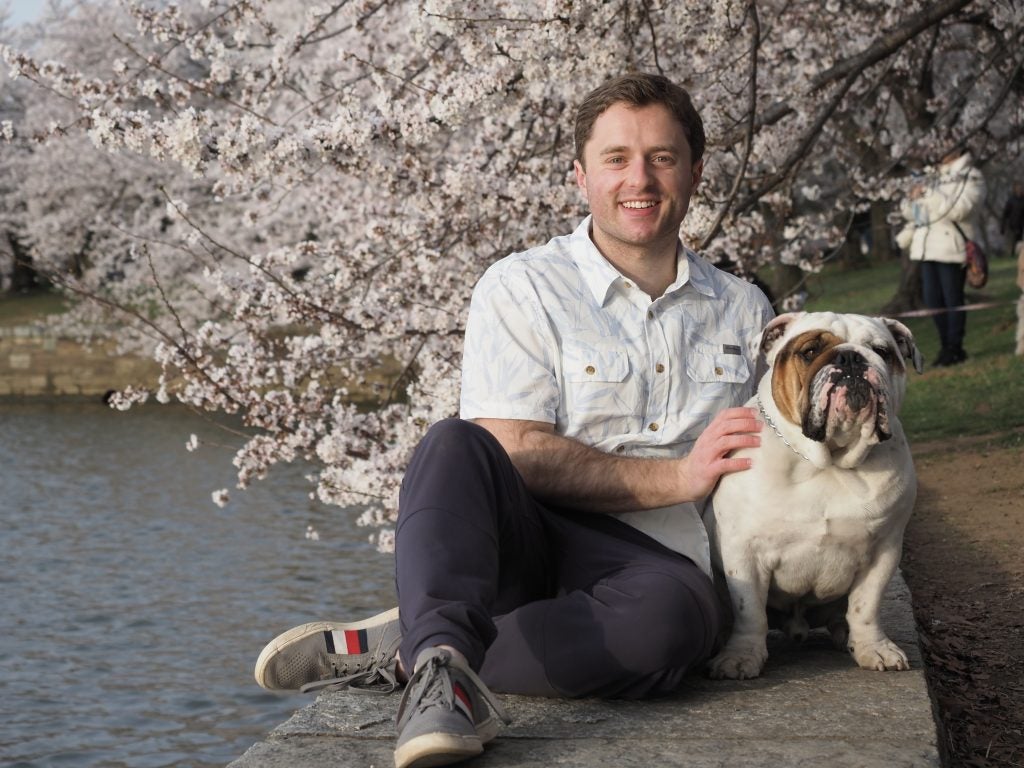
812	533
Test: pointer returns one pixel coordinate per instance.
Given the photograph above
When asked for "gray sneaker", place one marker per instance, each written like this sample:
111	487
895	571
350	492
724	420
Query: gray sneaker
445	714
322	654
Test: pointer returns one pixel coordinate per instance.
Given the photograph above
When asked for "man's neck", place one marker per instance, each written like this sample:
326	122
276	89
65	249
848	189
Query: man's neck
651	268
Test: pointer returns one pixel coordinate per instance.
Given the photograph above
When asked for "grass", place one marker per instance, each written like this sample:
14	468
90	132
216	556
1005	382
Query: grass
981	396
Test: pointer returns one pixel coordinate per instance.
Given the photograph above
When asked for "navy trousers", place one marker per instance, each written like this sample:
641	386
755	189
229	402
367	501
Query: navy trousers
541	601
942	286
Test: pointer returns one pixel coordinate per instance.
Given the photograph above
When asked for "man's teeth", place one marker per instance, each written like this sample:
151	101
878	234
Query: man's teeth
640	204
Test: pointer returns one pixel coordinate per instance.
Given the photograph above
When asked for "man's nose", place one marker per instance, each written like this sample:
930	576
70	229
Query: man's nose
641	173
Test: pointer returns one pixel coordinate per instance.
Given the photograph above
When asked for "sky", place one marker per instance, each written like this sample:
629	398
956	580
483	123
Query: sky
24	10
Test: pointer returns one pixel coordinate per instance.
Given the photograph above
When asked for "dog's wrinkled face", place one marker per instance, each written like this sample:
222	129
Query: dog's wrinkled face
841	378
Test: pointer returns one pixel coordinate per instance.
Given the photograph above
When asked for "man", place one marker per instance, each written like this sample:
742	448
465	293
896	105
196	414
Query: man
598	377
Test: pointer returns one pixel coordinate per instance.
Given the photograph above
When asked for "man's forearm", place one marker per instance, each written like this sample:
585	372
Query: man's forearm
569	474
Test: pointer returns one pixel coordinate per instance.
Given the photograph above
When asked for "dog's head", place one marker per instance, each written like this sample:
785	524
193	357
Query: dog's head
841	378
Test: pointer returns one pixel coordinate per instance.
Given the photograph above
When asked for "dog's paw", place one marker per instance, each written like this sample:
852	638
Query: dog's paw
880	656
737	663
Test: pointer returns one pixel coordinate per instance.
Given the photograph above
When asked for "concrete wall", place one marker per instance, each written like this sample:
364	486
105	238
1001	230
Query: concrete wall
34	363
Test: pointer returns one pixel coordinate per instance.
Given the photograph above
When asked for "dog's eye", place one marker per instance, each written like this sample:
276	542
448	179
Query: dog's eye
885	353
810	352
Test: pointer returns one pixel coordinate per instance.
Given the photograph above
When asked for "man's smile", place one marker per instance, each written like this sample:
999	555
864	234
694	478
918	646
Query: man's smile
639	204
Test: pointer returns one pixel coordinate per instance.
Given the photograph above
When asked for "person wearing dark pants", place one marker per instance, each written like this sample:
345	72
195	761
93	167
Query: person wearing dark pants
939	212
549	541
942	287
545	602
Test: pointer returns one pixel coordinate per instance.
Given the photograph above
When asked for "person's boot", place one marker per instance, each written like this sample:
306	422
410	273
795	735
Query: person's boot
945	358
957	355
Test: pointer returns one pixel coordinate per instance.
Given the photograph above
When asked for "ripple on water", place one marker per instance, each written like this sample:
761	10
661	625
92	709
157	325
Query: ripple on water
134	608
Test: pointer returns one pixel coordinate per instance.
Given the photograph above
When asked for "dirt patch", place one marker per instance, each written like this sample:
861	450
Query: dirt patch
964	562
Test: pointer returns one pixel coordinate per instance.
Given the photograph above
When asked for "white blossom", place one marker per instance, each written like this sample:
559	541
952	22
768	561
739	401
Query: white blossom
291	203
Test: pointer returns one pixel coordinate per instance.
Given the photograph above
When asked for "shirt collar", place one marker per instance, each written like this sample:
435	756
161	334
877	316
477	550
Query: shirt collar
599	274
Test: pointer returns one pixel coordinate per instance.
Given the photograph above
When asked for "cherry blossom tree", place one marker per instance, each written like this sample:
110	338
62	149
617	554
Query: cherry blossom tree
282	200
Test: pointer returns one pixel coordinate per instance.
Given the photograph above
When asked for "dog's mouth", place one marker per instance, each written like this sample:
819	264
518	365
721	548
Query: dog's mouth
848	404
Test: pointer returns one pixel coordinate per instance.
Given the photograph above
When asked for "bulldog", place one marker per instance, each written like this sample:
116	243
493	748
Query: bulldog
813	531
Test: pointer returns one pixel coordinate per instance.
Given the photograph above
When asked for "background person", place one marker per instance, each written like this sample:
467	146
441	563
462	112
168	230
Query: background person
945	200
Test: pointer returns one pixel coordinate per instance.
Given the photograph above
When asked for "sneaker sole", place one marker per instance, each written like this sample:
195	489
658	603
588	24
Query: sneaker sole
297	634
432	749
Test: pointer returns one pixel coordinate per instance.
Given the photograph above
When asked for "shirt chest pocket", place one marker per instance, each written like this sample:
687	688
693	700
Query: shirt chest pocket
602	361
721	364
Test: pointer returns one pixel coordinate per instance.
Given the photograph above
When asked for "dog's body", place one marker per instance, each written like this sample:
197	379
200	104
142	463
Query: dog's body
814	529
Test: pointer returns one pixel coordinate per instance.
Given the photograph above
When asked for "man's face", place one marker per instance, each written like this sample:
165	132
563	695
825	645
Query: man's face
638	177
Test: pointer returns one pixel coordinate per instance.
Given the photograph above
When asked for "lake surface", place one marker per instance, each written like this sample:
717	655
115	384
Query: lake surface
133	608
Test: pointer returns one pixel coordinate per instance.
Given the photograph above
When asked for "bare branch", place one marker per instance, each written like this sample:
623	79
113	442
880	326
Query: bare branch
885	45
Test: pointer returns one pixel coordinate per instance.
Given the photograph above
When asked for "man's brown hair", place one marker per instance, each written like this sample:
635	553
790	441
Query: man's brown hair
640	89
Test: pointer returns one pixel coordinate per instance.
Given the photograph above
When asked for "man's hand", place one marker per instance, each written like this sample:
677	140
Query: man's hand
730	430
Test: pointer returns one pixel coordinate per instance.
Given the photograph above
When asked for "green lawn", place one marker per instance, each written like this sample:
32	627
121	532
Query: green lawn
983	395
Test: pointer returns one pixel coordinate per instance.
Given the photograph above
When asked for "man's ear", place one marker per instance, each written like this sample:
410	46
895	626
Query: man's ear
697	172
581	178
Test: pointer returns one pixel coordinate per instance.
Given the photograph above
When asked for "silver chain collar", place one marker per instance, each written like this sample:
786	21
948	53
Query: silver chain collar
775	429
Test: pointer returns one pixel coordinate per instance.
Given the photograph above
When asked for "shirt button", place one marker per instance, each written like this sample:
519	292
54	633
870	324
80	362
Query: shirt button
718	371
591	370
650	315
659	368
653	427
620	449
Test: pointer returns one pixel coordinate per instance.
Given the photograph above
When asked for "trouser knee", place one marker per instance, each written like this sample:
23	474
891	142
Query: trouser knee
673	624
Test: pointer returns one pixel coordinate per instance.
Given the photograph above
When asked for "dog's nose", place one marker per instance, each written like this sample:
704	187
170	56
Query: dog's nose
847	359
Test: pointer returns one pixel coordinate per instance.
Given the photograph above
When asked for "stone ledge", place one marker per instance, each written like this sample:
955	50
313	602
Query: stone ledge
812	706
34	363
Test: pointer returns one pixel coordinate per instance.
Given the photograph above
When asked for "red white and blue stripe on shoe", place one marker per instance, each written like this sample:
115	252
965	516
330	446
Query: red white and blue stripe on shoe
350	641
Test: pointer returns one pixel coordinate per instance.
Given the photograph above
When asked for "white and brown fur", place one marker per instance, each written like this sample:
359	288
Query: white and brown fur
813	531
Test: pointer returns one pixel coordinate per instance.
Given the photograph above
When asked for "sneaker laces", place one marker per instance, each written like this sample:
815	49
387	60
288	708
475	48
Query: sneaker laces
432	684
379	678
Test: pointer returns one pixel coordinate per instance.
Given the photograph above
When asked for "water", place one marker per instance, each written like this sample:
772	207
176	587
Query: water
133	608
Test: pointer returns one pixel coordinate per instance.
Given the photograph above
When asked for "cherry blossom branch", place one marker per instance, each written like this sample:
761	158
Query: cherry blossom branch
726	206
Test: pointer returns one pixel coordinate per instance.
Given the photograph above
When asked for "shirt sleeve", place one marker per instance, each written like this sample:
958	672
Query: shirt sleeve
509	356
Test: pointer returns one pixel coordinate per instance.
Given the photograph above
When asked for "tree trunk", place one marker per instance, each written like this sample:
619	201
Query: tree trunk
908	294
882	245
24	277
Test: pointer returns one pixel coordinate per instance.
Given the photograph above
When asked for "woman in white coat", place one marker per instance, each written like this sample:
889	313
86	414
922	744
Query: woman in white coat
936	207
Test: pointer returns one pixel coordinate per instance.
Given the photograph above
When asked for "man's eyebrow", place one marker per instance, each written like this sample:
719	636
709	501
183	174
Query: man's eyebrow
662	148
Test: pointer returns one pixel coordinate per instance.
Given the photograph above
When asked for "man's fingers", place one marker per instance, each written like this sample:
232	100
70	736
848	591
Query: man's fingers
734	420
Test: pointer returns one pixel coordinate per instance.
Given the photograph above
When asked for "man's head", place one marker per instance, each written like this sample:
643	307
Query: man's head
638	166
640	90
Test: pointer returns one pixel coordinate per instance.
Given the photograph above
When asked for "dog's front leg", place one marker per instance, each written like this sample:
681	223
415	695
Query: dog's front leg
870	646
746	650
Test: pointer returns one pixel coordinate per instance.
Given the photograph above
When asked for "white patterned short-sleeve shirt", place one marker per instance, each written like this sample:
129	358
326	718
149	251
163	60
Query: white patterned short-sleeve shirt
557	334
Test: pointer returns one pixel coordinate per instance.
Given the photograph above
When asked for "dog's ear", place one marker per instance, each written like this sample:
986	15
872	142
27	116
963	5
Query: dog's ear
905	343
775	330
